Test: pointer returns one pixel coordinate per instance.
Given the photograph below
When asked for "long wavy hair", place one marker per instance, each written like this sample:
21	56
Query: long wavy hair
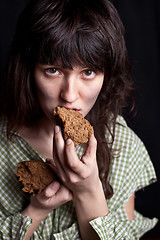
73	32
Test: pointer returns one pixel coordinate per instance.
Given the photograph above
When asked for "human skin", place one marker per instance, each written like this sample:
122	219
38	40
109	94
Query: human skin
78	89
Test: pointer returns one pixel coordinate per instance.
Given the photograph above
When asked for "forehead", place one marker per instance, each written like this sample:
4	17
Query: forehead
73	65
78	49
70	61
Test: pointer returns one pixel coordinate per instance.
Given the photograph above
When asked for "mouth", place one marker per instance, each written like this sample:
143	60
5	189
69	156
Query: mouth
71	108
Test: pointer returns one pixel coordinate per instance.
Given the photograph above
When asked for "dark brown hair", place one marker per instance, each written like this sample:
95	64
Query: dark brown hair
73	32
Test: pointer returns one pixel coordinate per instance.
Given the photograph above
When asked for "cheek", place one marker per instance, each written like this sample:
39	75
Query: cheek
94	95
46	99
91	95
44	88
94	90
45	92
42	94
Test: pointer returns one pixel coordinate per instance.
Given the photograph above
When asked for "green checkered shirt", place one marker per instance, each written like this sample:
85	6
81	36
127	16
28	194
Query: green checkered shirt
131	170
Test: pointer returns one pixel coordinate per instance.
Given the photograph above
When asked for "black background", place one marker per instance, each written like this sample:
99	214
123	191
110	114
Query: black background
141	19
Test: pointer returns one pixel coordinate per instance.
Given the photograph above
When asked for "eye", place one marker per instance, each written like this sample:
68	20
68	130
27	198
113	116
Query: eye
88	74
52	71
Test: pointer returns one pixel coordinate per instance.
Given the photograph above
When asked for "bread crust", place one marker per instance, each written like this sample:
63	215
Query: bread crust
73	125
34	175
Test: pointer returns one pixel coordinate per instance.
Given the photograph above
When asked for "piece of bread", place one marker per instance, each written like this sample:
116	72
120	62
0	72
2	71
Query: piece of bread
73	124
34	175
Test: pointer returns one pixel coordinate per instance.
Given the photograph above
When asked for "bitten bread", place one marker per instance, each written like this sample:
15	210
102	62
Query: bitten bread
73	124
34	175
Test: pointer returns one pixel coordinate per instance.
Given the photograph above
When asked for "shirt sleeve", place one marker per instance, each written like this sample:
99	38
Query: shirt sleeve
116	224
131	170
14	227
71	233
110	227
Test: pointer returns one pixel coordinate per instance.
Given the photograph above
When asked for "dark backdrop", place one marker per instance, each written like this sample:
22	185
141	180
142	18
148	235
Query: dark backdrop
142	23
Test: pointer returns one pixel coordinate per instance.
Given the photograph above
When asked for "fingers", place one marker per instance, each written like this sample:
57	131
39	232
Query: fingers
50	190
52	165
70	168
65	192
58	151
51	161
91	149
72	159
57	191
53	196
58	143
66	159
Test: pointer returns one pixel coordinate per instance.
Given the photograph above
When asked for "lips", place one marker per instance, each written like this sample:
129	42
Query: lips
72	108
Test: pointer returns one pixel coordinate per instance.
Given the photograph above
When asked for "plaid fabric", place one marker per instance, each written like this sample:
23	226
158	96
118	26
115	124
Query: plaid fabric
131	169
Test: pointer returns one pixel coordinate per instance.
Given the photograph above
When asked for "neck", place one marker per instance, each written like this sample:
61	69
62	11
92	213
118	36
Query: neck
40	137
42	126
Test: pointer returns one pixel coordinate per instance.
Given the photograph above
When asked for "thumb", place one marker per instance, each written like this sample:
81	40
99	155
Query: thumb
51	189
91	147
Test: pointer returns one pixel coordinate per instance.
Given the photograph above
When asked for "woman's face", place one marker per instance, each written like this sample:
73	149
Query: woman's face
76	88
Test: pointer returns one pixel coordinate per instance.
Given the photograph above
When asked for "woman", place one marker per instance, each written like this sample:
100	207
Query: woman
72	54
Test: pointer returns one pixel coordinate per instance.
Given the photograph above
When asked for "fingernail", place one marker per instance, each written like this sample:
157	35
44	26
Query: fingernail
48	160
55	185
69	141
56	129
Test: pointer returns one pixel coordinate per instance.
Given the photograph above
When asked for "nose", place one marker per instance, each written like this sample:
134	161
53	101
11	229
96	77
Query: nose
70	91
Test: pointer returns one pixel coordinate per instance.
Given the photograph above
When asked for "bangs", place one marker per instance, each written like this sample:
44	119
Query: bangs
72	33
72	42
79	49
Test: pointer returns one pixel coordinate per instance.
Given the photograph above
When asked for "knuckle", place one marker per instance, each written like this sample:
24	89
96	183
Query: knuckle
47	193
84	175
63	179
72	179
73	165
67	196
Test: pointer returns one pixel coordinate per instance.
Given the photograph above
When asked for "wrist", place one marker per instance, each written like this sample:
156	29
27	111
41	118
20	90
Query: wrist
92	203
36	214
93	192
